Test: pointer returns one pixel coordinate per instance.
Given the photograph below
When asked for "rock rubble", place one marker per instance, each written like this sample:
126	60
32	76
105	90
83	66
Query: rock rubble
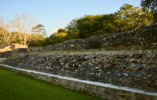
130	70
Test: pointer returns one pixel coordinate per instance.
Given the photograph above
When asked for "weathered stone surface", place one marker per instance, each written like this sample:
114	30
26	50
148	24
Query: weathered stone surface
136	69
9	47
139	39
10	53
2	59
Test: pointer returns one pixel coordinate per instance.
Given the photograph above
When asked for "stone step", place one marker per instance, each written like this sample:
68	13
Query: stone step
2	59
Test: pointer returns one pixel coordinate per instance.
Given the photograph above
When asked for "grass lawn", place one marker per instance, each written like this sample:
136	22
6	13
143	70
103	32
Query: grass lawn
18	87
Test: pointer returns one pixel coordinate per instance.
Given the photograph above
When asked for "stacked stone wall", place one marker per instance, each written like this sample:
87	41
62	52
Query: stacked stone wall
106	91
131	69
12	52
145	38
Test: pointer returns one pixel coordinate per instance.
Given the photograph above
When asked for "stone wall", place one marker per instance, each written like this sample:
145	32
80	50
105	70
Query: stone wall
102	90
9	47
134	69
34	49
2	59
4	48
145	38
12	52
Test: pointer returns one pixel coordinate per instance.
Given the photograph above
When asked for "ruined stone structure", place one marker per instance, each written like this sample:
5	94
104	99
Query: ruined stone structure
145	38
12	52
9	47
106	91
130	69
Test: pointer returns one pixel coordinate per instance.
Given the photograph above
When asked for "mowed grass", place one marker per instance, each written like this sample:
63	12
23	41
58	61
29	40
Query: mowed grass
18	87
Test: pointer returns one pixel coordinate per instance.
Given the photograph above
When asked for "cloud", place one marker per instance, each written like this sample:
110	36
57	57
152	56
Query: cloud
60	22
54	30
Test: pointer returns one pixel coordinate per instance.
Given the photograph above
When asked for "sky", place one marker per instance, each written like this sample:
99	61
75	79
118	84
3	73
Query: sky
54	14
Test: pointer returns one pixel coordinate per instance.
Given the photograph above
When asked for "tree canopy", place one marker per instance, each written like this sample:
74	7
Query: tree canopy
132	18
61	30
125	19
21	30
39	29
149	4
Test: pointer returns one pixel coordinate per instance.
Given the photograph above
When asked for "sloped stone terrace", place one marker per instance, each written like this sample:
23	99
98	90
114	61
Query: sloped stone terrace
145	38
129	70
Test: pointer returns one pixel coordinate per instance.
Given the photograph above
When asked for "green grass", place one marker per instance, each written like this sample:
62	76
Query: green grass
18	87
11	57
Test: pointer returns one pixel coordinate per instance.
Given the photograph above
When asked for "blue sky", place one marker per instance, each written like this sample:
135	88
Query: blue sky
55	14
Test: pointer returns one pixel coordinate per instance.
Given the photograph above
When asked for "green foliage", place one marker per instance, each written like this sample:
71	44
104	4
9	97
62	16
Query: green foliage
61	30
39	42
127	18
91	25
155	17
39	29
11	57
3	35
132	18
60	34
150	5
15	37
56	38
38	36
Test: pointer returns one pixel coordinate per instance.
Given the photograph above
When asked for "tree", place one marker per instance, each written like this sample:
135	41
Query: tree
91	25
149	4
61	30
132	18
3	35
60	35
38	33
127	18
24	25
15	37
39	29
39	42
6	29
21	30
72	29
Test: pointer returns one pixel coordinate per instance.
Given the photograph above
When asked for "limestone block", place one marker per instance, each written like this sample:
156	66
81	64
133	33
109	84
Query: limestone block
105	44
128	42
154	44
72	45
2	59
